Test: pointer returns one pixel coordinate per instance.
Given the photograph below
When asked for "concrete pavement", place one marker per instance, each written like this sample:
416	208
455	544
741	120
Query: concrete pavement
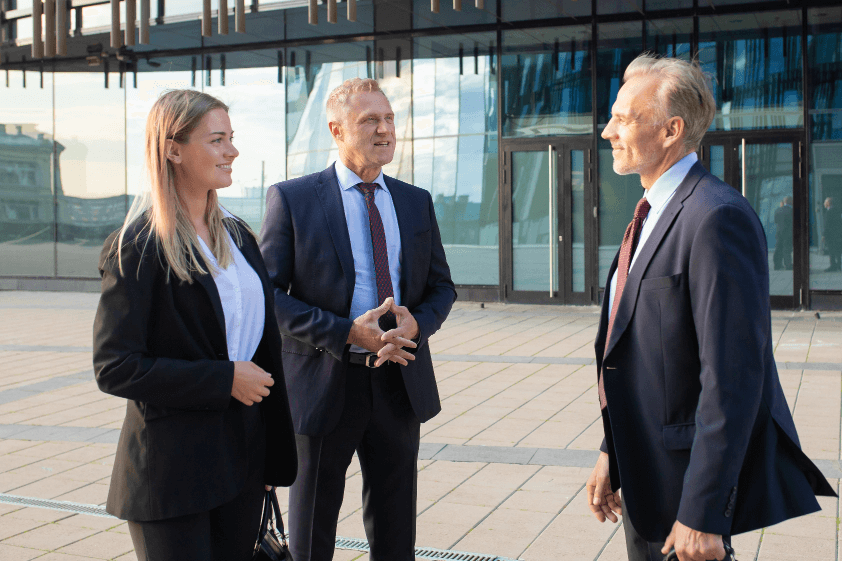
502	467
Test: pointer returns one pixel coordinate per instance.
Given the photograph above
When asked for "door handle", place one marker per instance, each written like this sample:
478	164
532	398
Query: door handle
551	183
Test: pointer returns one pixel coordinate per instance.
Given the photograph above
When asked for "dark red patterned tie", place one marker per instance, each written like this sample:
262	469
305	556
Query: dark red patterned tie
630	239
381	254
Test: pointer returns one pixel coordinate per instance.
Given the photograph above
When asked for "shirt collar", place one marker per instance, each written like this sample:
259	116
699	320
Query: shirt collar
348	179
663	189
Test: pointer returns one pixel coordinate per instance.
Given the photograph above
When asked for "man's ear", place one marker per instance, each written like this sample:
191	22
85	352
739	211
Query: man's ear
173	151
675	130
335	130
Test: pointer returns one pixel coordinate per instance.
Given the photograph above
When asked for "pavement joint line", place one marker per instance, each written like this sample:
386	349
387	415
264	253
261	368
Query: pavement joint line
533	456
545	421
490	512
608	541
553	519
437	501
353	544
47	385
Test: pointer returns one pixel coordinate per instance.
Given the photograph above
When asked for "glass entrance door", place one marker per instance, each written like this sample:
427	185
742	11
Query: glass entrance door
767	171
546	208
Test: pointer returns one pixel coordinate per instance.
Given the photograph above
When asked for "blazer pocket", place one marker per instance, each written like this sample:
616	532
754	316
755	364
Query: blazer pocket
679	437
659	283
296	347
423	233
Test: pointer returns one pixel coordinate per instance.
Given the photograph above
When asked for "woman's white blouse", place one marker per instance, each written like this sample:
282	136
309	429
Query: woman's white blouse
242	302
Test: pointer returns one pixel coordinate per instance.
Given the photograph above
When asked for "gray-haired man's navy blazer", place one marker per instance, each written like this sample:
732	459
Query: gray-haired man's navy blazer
697	426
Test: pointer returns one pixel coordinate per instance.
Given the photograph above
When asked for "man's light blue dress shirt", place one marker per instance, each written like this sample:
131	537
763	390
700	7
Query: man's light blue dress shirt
356	216
658	196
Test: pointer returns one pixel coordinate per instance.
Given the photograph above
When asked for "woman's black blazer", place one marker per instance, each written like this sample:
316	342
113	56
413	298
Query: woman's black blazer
161	344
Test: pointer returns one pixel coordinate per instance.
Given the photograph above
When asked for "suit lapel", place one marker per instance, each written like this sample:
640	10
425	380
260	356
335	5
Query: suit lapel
628	300
331	199
207	282
403	210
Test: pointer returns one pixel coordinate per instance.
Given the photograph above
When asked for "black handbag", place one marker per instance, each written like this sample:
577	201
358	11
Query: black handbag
269	547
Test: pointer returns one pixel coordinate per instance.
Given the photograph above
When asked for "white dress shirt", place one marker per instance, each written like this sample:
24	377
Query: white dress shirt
356	217
243	301
658	196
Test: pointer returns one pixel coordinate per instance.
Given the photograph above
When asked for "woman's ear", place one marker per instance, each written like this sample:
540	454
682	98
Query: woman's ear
173	151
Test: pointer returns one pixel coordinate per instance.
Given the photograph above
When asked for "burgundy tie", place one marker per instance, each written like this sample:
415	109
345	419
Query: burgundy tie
630	239
381	255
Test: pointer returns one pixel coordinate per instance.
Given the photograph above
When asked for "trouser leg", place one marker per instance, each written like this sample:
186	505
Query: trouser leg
316	496
183	538
388	457
234	525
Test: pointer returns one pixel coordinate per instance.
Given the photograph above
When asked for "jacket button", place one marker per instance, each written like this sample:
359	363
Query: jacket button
728	513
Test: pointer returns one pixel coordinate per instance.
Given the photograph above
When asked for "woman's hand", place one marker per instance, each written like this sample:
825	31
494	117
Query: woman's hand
251	383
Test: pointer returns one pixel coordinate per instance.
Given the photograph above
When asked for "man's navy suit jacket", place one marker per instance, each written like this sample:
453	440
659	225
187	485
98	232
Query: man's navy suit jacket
305	243
697	426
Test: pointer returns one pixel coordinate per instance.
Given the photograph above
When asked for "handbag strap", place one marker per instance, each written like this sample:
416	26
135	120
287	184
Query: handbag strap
264	520
279	521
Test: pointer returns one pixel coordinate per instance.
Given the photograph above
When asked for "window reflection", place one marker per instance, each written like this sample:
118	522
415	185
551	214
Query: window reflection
618	196
669	37
26	195
517	10
455	149
825	64
617	45
756	59
256	106
90	169
547	82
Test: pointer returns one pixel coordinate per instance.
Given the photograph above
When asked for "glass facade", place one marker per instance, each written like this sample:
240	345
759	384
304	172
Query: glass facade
467	87
824	55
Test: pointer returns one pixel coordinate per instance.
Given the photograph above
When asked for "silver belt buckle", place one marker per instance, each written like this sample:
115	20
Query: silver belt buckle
370	359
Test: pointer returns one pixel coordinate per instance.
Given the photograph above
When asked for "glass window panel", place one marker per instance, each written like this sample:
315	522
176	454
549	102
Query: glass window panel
617	45
824	59
531	243
717	161
547	82
517	10
311	74
618	6
24	27
768	189
756	60
657	5
455	149
424	18
297	24
27	217
577	211
90	170
618	196
256	108
669	37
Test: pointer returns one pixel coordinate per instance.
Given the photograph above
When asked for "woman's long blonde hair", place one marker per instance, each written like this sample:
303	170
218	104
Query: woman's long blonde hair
174	117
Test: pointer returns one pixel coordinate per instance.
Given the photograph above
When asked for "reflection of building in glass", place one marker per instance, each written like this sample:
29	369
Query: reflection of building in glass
26	200
480	95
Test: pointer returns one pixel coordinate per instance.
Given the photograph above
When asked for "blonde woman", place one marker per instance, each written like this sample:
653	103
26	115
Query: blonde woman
185	331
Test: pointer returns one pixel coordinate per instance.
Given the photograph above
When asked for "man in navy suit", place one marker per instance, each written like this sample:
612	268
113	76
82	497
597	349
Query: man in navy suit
697	430
361	283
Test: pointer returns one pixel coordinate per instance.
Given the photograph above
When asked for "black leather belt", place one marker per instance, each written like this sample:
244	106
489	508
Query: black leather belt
363	359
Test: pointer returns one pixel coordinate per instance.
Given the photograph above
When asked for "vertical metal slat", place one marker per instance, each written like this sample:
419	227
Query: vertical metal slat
37	43
145	14
206	18
240	16
116	39
61	27
131	22
222	17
